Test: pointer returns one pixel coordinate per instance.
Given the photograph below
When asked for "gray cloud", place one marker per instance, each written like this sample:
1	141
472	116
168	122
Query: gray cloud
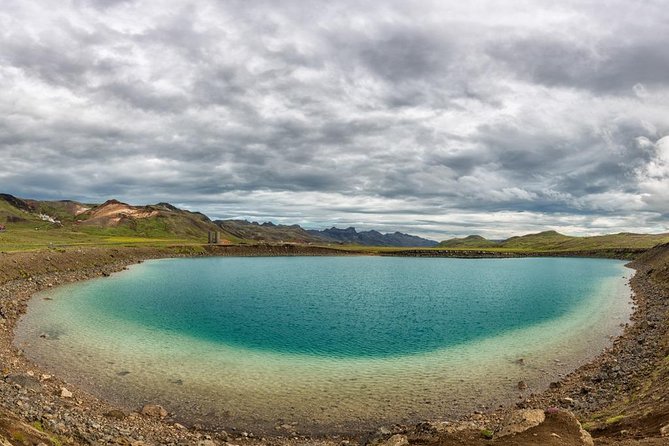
425	117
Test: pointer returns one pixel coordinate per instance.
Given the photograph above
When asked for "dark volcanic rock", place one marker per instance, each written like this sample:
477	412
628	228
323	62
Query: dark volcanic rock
24	381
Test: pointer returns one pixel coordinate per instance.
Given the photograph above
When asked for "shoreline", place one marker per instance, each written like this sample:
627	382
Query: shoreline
35	397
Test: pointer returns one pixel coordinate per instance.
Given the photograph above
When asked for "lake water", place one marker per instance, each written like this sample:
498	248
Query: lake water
332	343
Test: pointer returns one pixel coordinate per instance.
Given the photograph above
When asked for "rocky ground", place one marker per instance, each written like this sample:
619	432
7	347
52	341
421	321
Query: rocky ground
622	397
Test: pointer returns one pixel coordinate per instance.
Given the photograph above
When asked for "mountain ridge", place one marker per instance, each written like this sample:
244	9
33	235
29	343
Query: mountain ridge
372	238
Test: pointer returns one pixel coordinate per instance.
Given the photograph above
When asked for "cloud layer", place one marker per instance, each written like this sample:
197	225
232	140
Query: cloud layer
434	118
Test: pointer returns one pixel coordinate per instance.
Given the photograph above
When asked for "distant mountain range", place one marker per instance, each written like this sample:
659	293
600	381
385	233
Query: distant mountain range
350	236
296	234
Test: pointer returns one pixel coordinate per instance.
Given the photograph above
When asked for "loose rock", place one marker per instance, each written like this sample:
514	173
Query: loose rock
154	411
116	414
397	440
64	393
664	431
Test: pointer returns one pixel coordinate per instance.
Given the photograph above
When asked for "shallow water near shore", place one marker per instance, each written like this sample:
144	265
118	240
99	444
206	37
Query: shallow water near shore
335	344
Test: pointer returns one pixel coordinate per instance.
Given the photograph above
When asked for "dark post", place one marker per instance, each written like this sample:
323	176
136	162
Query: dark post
214	237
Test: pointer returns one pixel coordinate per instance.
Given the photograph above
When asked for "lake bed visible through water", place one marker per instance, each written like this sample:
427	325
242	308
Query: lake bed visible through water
336	344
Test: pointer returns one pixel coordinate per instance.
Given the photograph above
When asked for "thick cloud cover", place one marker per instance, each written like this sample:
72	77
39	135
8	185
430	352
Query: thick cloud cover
434	118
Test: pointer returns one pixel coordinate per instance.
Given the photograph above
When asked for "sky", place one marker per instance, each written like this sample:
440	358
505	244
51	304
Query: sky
437	118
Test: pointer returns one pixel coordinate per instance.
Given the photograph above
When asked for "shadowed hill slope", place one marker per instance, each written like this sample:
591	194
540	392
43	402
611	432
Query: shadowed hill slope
267	232
15	210
350	236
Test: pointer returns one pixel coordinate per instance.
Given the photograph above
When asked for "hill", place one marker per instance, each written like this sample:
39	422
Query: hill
160	220
350	236
554	241
268	231
471	241
63	210
14	210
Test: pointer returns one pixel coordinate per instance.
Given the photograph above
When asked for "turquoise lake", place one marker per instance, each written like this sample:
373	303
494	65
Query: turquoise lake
332	343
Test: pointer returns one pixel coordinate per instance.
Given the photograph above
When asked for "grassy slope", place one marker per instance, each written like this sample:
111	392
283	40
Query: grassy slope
171	226
554	241
9	211
472	241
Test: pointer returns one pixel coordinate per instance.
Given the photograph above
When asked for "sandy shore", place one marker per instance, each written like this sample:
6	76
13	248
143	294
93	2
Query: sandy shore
72	416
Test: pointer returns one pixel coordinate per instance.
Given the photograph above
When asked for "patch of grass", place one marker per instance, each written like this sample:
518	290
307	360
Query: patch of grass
588	426
21	237
18	436
38	425
487	434
614	420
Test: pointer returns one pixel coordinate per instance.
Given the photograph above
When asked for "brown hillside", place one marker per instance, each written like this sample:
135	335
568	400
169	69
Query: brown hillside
112	213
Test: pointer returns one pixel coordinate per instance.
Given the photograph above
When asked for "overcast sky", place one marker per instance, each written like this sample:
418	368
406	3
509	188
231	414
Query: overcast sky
438	118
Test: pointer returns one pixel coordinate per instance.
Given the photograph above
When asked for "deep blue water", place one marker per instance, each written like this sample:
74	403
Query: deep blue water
345	306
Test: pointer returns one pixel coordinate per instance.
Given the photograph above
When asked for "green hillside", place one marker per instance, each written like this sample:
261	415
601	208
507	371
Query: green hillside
471	241
547	240
14	210
63	210
554	241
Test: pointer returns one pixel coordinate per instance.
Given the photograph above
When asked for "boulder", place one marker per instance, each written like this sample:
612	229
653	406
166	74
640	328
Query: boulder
397	440
586	438
24	381
664	431
520	421
154	411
